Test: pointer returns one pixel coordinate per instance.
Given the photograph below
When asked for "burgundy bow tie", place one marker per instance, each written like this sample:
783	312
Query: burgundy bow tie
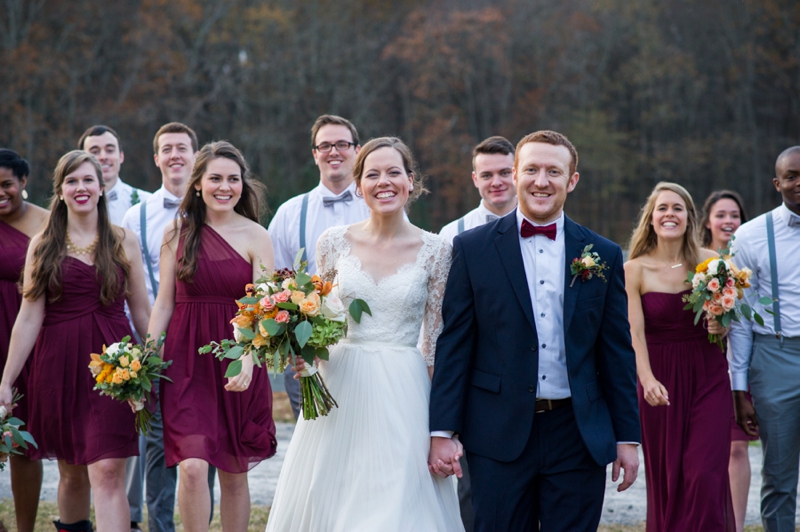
528	230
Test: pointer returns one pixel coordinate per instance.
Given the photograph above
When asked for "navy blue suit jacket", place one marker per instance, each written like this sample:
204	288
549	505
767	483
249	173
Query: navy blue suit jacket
486	369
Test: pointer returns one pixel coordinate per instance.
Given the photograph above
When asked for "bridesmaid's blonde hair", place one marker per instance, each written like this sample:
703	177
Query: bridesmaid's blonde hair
644	238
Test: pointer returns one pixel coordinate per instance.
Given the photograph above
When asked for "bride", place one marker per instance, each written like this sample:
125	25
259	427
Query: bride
364	466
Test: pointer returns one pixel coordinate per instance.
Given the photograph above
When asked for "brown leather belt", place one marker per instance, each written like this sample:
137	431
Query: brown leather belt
546	405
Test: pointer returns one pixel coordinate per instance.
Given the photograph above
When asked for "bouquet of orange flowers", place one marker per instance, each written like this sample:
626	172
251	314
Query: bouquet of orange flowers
285	314
13	438
126	371
717	287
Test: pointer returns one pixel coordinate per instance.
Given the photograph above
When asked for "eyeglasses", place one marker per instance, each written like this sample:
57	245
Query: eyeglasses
340	146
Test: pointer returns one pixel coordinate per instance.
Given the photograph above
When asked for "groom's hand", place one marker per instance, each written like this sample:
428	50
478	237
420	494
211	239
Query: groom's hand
627	459
444	455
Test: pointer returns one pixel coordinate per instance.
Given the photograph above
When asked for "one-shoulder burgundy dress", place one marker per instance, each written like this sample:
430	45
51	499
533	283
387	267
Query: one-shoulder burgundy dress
687	444
233	431
13	247
68	418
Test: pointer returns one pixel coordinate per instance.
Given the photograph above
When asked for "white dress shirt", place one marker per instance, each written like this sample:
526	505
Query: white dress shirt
119	200
544	269
284	229
474	218
158	217
752	251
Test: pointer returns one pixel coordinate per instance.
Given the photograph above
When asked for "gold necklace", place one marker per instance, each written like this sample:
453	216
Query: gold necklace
88	250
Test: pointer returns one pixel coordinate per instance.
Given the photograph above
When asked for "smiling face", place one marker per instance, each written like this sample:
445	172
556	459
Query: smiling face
81	189
175	159
221	184
105	149
723	220
787	180
10	192
384	183
669	216
335	167
543	180
494	178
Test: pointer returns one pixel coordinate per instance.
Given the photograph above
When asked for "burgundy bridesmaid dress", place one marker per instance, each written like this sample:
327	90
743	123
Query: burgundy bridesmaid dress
69	419
687	444
13	247
233	431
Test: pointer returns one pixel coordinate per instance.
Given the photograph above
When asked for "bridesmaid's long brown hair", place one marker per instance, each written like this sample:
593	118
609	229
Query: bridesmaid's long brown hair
192	212
52	248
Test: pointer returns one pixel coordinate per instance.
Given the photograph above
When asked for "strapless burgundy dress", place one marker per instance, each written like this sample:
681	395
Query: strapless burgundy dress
68	418
13	247
233	431
687	444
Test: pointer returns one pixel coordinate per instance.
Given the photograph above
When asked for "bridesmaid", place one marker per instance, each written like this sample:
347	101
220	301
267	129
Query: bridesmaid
213	251
19	221
78	274
723	213
684	391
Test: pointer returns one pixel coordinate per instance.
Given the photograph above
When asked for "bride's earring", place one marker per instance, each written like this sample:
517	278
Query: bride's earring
24	194
197	193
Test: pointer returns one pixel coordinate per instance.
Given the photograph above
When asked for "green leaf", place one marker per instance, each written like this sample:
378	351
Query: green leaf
698	305
146	383
287	306
322	353
28	438
302	279
688	306
247	333
726	319
235	352
746	311
697	316
303	332
248	300
758	319
298	258
205	349
308	353
765	300
234	369
276	361
152	359
17	437
15	421
355	311
272	327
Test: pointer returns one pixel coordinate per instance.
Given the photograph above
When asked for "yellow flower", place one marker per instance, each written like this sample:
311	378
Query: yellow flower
588	261
123	361
297	297
133	374
126	375
703	266
116	378
96	365
136	365
310	305
259	341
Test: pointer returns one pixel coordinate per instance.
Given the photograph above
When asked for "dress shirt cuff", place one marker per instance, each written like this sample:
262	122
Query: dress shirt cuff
636	443
739	380
442	434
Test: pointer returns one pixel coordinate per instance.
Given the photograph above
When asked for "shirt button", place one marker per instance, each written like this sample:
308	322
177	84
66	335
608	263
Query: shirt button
531	389
544	377
542	314
541	251
533	348
544	346
541	282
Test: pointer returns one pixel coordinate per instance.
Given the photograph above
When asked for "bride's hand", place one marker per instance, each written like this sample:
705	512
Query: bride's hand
241	382
300	365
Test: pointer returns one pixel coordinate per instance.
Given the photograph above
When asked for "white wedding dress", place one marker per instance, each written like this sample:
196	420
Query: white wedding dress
363	468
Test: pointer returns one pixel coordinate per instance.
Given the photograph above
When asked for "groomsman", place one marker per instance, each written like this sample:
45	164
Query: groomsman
175	148
300	221
492	175
767	357
103	142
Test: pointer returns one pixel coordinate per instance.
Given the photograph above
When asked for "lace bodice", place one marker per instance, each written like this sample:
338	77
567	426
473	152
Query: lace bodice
401	303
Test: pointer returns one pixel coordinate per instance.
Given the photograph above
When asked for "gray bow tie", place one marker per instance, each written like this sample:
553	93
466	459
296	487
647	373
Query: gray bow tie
491	218
171	203
111	196
794	221
344	196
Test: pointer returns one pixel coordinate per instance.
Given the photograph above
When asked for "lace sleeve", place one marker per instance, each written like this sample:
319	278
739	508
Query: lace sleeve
328	249
439	268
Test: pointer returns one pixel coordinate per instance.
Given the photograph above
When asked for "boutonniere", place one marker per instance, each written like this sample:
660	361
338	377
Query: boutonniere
135	197
587	266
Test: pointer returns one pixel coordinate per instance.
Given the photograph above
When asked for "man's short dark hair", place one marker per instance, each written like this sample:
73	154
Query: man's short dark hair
325	120
175	127
494	144
12	160
96	131
784	154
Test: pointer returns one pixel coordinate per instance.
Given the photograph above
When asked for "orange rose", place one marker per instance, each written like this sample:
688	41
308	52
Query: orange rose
116	378
297	296
259	341
136	365
310	305
243	321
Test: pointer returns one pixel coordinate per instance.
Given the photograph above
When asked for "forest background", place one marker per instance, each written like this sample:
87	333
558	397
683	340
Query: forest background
703	93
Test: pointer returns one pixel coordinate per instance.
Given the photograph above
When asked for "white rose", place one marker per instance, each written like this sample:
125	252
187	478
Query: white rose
333	308
697	279
113	349
287	283
263	288
588	261
3	413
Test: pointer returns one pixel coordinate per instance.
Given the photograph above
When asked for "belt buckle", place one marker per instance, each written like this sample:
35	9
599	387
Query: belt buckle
549	406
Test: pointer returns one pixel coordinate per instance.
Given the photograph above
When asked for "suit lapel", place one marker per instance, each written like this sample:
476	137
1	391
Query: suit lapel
573	242
507	242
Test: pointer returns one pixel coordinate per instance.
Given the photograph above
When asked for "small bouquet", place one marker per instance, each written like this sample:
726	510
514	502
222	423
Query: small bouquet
289	313
717	287
588	265
13	438
126	371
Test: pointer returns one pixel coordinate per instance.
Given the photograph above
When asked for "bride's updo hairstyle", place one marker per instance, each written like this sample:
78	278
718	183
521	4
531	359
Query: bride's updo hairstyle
644	237
409	164
192	212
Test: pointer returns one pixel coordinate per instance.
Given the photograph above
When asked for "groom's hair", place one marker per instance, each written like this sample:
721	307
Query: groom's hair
550	137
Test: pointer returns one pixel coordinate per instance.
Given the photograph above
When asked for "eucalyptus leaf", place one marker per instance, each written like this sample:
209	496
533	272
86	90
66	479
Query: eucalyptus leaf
322	353
28	438
308	353
287	306
146	383
235	352
697	316
298	258
746	312
234	369
355	311
247	333
302	279
765	300
759	319
248	300
726	320
303	332
698	305
272	327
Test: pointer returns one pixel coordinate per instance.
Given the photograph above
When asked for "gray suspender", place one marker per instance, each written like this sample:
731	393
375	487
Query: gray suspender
145	250
773	272
303	216
460	225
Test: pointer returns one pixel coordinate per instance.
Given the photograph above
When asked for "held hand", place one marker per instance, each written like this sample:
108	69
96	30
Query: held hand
300	365
241	382
627	459
132	404
444	456
745	413
6	396
654	392
715	327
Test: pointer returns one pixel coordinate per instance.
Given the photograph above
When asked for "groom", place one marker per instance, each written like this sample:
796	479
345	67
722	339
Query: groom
534	371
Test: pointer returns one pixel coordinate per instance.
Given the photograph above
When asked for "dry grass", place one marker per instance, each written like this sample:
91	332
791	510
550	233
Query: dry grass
282	408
